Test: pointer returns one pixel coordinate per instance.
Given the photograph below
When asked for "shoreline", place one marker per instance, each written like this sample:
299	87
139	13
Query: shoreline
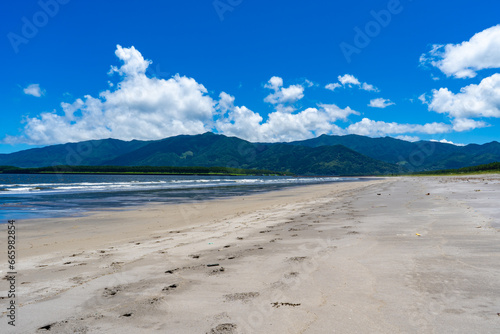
401	254
125	200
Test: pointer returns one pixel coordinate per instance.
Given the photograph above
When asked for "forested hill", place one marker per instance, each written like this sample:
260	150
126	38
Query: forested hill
205	150
416	156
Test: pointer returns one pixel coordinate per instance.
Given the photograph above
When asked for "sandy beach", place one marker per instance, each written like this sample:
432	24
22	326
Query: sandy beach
395	255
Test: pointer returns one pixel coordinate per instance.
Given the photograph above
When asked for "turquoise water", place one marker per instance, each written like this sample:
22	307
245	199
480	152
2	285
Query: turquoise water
39	196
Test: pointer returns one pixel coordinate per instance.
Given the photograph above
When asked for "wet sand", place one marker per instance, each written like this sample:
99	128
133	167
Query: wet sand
400	255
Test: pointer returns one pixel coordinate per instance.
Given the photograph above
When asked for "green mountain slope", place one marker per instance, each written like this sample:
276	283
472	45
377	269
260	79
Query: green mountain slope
217	150
491	168
93	152
418	156
324	160
206	150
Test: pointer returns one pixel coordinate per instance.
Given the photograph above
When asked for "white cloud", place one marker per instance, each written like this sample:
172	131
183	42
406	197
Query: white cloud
463	60
146	108
348	80
423	99
33	90
133	62
368	87
308	83
467	124
283	98
226	102
408	138
368	127
473	101
139	108
282	126
274	83
444	141
281	94
380	103
333	86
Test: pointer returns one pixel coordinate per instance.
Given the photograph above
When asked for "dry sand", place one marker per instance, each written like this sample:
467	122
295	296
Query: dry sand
401	255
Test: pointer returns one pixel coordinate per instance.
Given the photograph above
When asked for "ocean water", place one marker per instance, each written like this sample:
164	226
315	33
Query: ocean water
24	196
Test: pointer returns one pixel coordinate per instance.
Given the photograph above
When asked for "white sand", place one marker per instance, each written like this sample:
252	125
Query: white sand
402	255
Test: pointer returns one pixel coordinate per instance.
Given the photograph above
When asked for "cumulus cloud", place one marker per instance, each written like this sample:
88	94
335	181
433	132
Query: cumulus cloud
138	108
444	141
408	138
282	126
348	80
333	86
380	103
282	97
33	90
463	60
481	100
368	127
143	107
467	124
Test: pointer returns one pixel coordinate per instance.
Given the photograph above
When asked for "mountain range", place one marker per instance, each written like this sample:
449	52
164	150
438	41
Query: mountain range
324	155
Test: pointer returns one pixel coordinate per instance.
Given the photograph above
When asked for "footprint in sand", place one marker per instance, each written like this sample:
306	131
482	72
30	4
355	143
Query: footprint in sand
170	287
110	292
217	271
241	296
224	329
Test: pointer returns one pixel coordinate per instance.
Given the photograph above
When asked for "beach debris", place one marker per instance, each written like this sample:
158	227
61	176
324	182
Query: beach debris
379	194
195	256
265	231
67	263
213	265
418	234
278	304
227	246
127	315
239	238
427	194
47	327
210	243
297	259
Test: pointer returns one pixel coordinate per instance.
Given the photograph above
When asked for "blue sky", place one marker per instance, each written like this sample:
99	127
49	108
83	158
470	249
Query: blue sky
260	70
